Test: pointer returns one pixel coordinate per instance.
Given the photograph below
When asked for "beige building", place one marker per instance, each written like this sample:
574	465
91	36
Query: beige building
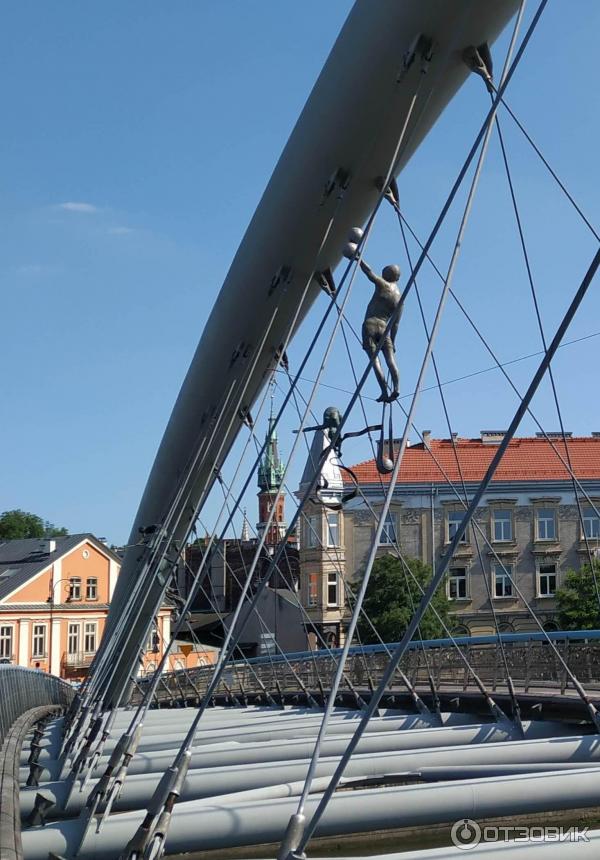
54	598
528	528
322	552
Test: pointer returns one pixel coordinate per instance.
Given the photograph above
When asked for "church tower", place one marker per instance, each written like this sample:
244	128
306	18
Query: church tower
270	476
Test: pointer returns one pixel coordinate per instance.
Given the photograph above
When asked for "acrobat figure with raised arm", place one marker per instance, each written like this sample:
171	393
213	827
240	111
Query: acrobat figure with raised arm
380	310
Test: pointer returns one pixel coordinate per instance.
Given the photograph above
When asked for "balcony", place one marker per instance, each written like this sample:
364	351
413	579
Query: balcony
79	660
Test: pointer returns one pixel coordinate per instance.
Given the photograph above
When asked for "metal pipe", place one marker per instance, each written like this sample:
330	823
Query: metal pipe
235	753
198	826
542	850
432	766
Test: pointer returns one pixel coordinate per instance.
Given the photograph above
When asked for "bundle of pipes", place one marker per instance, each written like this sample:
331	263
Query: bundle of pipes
234	821
230	726
233	755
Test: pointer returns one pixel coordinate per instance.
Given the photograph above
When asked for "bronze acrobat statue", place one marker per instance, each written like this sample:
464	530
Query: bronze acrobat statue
380	310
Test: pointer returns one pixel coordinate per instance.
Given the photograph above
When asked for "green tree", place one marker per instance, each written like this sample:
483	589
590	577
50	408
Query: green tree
392	595
51	530
577	599
17	524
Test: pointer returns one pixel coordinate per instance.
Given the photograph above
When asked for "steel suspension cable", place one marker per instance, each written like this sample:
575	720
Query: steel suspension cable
498	365
549	168
536	305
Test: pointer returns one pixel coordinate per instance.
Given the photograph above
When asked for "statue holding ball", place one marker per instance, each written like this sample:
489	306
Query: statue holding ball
380	310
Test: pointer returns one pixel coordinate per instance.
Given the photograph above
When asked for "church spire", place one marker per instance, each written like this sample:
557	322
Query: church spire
271	467
245	528
271	470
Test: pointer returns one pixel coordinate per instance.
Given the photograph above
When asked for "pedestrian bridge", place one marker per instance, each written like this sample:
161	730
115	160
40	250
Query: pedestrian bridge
435	740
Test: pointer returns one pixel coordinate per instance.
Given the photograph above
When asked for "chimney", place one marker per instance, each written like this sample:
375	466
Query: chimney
595	435
555	434
47	546
426	434
492	437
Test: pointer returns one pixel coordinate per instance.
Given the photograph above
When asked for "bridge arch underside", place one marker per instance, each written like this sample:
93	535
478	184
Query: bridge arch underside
415	771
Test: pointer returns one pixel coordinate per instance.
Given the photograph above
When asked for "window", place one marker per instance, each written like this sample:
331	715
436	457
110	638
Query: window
74	636
313	589
39	641
591	523
388	534
503	586
546	580
313	532
6	642
89	637
333	529
332	589
502	524
457	583
545	523
91	589
455	518
75	588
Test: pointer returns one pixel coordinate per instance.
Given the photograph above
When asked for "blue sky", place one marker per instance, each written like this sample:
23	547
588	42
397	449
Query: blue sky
137	141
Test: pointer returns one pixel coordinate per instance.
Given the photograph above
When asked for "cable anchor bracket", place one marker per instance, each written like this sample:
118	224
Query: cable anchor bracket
479	61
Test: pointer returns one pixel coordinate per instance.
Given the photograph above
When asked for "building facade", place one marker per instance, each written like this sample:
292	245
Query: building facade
324	585
55	595
531	526
526	533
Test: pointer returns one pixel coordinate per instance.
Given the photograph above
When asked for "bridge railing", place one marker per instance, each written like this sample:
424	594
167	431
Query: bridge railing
22	689
533	665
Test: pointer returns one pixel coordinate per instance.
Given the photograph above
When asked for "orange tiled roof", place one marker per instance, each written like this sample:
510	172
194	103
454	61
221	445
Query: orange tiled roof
526	459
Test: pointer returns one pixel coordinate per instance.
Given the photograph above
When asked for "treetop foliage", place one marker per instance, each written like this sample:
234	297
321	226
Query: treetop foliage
19	525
